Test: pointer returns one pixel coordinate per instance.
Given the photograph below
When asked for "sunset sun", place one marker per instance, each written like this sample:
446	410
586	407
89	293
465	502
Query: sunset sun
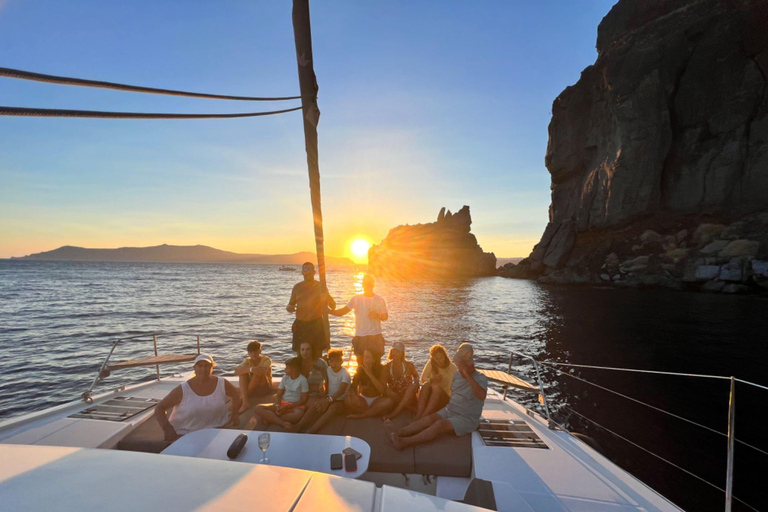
359	249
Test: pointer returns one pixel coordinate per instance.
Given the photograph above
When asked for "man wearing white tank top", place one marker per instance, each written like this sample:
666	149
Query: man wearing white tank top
199	403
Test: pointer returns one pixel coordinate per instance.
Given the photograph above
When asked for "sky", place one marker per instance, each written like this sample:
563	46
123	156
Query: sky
424	105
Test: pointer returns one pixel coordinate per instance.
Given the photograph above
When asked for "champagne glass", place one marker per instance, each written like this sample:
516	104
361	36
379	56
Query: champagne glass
264	445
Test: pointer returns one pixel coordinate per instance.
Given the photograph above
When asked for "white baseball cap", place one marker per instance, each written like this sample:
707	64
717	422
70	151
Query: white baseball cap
205	357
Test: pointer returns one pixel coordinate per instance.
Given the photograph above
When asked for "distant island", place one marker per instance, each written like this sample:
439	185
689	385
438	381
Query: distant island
177	254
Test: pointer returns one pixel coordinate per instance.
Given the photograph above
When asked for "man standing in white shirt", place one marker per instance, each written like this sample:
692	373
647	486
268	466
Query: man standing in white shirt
370	310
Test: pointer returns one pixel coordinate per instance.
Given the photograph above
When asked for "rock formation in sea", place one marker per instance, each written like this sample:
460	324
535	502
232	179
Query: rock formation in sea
666	134
444	248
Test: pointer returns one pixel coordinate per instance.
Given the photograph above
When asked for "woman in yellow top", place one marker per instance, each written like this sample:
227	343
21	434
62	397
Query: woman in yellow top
436	381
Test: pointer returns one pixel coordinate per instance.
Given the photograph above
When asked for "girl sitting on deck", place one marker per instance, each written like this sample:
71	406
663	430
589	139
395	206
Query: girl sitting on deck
402	380
369	386
436	379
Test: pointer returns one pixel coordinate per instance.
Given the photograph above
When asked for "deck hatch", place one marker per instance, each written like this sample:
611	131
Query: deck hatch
511	433
116	409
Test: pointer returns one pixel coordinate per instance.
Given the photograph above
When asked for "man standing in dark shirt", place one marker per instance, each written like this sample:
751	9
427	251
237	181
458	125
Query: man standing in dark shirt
310	300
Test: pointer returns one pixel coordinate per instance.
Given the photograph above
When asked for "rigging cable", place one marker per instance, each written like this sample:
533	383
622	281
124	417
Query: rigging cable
94	114
80	82
660	457
649	405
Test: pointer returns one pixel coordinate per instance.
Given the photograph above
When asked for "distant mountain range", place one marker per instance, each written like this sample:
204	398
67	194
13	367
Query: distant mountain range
177	254
500	262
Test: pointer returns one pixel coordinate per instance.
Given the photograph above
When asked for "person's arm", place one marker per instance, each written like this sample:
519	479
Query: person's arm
342	389
339	312
479	391
266	371
233	393
381	385
302	400
383	314
291	307
413	373
329	300
171	400
242	370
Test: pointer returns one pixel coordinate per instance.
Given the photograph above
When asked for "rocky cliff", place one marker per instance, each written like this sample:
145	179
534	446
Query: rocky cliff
668	130
444	248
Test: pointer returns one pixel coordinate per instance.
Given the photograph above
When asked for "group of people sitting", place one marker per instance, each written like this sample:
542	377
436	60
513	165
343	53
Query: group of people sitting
447	398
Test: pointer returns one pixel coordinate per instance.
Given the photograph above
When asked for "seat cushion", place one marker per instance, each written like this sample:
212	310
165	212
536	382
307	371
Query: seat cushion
448	455
384	457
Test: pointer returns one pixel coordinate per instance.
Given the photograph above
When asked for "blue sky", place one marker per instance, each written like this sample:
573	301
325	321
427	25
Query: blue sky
424	105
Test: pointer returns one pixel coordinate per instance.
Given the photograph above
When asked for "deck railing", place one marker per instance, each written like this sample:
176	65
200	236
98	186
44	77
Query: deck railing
730	435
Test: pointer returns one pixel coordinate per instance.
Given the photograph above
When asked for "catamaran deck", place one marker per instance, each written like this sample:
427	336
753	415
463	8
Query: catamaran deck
529	466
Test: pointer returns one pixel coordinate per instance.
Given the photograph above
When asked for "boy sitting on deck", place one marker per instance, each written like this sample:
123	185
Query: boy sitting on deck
338	383
255	374
461	415
292	395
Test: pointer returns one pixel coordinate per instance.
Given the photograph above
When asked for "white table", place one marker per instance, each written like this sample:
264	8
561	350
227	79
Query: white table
303	451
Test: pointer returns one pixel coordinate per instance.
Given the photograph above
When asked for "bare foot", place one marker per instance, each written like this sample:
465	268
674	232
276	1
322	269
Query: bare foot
389	427
354	416
244	407
397	442
290	427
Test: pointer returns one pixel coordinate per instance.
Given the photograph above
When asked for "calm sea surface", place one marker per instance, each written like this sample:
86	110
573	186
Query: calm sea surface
58	321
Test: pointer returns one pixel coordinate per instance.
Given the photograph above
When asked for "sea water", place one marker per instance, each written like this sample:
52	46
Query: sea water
58	320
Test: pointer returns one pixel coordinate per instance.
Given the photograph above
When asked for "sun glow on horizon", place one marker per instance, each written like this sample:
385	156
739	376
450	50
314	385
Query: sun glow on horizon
358	250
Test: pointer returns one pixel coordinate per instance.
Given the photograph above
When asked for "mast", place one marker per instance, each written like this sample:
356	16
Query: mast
302	35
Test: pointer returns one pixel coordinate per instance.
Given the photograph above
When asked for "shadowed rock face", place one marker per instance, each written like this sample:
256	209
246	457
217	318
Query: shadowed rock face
671	120
444	248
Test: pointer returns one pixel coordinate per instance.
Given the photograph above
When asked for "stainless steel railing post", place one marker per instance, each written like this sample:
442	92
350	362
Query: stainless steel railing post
541	392
157	366
87	395
731	439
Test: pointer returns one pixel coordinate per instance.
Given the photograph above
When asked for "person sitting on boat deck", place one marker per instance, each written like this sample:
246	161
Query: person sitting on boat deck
316	372
367	397
461	415
200	402
255	374
310	300
436	379
370	310
333	404
402	380
292	395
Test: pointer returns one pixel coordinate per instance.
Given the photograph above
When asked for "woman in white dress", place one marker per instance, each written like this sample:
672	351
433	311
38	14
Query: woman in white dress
199	403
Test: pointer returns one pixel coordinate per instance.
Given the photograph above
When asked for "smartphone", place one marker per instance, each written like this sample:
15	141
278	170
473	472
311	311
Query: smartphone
348	450
350	462
336	461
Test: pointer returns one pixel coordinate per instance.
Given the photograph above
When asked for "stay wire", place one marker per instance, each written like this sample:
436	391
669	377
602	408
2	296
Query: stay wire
632	370
652	407
80	82
659	457
93	114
